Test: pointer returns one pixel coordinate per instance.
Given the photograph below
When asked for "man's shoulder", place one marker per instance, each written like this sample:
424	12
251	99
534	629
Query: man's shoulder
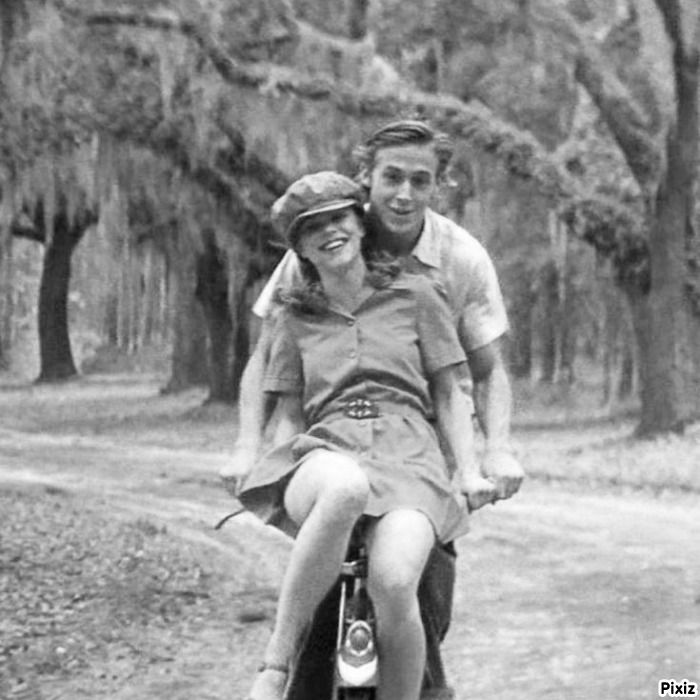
456	244
419	286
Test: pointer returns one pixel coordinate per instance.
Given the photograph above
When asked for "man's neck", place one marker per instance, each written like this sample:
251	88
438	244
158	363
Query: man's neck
399	246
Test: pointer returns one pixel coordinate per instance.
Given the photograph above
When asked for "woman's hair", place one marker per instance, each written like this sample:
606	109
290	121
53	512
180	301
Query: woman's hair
406	133
308	297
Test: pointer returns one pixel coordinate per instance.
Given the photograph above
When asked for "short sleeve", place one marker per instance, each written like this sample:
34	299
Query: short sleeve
437	335
284	373
483	317
284	276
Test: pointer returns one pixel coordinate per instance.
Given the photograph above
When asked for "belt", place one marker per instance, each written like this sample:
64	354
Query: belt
361	408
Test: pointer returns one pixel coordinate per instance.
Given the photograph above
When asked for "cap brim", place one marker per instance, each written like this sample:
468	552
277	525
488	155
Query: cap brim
335	205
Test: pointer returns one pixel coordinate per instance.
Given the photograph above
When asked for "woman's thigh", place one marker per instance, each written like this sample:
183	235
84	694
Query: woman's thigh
328	478
399	545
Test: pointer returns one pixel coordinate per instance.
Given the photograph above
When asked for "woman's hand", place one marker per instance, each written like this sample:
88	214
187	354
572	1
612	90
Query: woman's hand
478	491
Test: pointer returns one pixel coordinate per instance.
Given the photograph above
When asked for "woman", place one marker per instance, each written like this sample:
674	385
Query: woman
362	358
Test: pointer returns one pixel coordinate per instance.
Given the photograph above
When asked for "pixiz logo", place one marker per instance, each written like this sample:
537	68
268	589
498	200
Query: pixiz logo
672	688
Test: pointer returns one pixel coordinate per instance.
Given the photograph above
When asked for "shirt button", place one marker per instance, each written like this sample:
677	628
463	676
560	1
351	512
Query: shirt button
351	322
352	353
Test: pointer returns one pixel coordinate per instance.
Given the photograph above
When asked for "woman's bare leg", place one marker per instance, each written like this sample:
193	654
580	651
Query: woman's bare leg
325	497
399	546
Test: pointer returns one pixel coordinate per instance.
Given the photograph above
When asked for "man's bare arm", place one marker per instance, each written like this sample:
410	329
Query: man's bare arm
493	401
254	408
453	413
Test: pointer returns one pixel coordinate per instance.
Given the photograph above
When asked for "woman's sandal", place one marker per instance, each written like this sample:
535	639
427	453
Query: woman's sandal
278	668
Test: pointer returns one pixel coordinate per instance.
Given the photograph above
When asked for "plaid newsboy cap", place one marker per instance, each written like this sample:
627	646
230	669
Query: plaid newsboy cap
312	194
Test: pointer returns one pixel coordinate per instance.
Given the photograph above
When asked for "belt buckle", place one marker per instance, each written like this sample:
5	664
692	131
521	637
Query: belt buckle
361	408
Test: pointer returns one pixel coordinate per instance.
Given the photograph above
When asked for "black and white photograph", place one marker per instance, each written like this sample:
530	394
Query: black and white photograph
349	349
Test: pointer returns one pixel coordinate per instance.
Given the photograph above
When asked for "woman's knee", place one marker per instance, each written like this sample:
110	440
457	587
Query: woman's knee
333	483
398	554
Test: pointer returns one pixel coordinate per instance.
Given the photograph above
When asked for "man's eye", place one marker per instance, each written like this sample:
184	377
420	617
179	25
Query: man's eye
393	178
420	182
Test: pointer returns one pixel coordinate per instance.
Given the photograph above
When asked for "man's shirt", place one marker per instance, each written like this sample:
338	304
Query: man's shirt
445	253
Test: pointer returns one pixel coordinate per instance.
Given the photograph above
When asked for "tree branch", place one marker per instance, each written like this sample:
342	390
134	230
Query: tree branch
671	14
694	52
623	116
521	153
22	226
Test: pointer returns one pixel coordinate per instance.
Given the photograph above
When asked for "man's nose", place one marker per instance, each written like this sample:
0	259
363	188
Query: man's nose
404	191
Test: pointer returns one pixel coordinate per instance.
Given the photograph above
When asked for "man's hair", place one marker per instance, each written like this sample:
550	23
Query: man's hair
406	132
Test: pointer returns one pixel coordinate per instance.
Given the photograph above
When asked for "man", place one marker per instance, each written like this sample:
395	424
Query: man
402	166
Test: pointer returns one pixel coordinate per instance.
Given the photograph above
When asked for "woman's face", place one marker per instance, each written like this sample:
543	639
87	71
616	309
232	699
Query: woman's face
331	241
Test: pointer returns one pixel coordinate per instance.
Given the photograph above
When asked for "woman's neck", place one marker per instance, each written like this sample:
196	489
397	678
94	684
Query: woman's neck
345	287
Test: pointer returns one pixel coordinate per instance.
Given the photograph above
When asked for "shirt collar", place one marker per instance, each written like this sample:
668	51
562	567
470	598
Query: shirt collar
427	249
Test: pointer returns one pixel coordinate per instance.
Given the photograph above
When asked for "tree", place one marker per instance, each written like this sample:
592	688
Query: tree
277	76
657	261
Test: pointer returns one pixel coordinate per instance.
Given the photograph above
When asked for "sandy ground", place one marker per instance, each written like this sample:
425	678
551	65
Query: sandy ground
114	584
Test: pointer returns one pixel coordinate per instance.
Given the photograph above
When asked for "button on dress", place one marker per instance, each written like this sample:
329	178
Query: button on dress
383	352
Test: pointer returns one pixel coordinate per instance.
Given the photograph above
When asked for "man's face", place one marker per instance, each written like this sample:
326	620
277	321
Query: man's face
402	183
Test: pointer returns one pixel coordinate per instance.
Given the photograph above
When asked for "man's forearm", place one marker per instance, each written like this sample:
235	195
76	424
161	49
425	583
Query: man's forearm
251	404
494	404
254	406
454	420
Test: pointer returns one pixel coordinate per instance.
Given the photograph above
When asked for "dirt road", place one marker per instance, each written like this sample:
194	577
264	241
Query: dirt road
562	593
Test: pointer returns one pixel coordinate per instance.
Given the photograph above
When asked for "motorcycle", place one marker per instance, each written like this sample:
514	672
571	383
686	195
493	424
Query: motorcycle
356	658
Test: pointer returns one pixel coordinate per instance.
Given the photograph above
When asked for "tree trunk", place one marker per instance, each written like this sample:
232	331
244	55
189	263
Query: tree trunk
6	310
357	18
550	287
188	363
241	339
625	385
212	294
642	326
54	341
242	273
567	332
521	318
667	405
673	371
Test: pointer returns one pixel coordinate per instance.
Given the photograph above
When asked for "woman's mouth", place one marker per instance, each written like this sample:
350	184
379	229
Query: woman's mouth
333	244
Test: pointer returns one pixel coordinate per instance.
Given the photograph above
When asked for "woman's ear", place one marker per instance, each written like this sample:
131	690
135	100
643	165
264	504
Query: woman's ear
364	176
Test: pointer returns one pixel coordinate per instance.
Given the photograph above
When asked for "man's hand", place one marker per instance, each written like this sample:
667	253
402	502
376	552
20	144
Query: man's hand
478	491
238	468
504	470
